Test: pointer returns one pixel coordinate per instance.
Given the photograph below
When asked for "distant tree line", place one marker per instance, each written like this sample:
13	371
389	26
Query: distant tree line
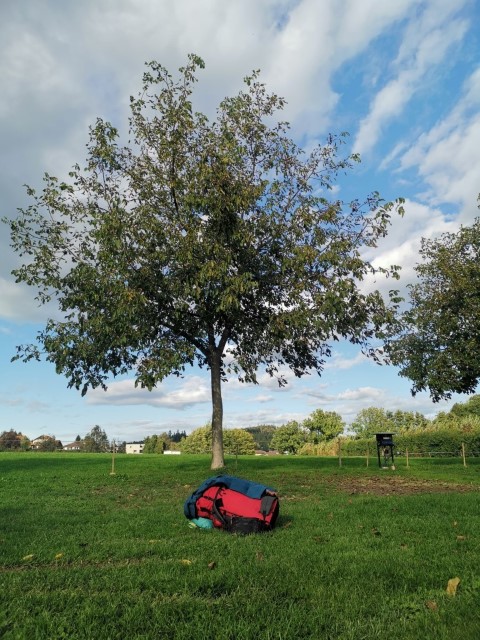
235	441
445	439
316	434
375	420
262	436
320	426
95	441
166	441
288	438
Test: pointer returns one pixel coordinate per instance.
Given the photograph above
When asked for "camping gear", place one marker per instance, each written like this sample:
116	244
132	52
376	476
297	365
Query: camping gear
234	504
201	523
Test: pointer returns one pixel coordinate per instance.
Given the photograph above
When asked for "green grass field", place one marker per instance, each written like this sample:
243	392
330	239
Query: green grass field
358	553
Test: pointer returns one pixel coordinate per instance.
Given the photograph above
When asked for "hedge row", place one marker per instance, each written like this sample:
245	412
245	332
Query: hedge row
425	442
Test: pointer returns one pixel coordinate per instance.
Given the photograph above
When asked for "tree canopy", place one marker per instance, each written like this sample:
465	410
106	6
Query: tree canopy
288	438
155	443
323	425
376	420
49	443
159	443
236	441
438	345
262	435
197	240
12	440
369	421
96	441
469	408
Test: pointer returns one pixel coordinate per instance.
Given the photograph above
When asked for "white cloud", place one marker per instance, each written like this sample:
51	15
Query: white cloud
192	391
262	398
30	404
447	156
140	429
393	155
339	362
425	45
239	419
402	244
64	64
30	69
423	24
318	38
17	303
57	79
264	381
349	402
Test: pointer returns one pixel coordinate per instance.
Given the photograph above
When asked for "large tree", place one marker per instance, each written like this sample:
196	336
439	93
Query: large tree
262	435
438	346
374	420
96	441
289	437
13	440
467	409
49	443
236	441
323	425
402	421
369	421
200	239
155	443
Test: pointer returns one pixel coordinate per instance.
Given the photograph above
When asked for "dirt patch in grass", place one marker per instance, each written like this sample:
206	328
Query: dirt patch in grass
384	485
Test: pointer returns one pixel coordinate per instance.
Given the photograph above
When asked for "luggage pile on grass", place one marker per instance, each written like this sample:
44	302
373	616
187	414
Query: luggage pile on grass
233	504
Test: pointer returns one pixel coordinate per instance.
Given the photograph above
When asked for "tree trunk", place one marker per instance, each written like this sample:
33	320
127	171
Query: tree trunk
217	413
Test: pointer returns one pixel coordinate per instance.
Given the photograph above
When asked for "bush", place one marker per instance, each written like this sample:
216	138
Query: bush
444	438
235	441
326	448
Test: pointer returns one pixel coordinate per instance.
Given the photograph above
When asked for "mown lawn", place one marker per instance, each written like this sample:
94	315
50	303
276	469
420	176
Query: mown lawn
357	553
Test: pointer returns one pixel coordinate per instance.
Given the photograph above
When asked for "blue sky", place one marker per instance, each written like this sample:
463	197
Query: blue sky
403	78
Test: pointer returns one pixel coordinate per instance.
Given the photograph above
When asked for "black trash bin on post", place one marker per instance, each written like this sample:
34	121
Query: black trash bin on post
385	449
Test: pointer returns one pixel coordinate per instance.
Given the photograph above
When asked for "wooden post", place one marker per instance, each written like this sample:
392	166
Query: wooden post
463	455
112	472
406	452
368	455
339	453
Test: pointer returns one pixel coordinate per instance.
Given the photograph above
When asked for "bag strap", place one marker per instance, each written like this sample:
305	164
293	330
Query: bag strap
217	514
215	509
266	505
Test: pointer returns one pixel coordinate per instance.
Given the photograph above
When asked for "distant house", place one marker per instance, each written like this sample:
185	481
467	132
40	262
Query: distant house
73	446
171	453
38	443
134	447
